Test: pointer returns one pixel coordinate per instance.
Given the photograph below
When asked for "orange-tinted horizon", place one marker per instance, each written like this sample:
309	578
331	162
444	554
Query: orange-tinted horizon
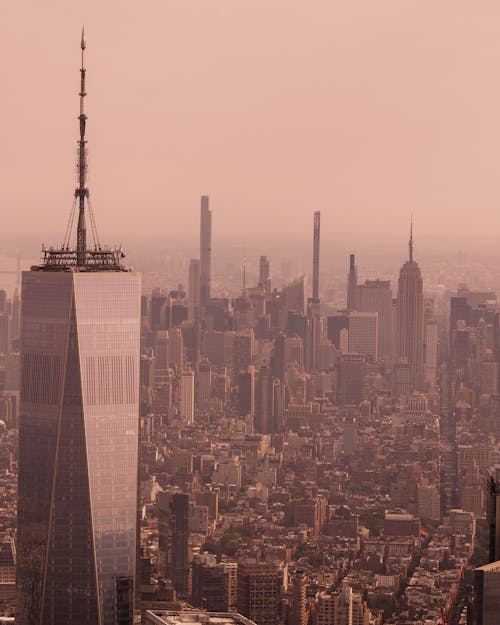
365	110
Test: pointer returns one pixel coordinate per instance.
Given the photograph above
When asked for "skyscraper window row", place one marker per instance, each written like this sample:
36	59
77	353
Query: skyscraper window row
41	374
110	380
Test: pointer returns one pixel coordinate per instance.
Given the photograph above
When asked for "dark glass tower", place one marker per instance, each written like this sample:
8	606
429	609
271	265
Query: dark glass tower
352	284
78	438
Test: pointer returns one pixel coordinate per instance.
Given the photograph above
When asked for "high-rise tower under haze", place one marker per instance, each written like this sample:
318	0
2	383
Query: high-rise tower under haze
316	241
352	284
410	320
205	250
194	288
78	432
264	269
313	309
376	296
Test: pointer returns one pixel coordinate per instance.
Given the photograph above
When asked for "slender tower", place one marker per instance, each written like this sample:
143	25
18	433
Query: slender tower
78	429
313	309
205	250
315	285
352	284
81	192
410	320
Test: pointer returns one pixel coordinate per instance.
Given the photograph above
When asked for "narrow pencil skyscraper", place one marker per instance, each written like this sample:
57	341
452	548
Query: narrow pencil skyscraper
78	437
316	241
313	309
410	320
205	250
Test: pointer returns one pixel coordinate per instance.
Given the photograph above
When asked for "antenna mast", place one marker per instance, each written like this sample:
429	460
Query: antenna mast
81	192
410	242
95	258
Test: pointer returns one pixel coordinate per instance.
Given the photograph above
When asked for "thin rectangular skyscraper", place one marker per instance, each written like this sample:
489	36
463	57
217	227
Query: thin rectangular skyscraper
78	436
205	250
313	339
352	283
316	241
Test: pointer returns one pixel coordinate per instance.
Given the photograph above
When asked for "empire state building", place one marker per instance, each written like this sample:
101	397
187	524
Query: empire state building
410	321
78	434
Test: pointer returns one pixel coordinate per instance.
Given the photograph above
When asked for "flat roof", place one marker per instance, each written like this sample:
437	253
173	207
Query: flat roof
492	567
397	516
194	617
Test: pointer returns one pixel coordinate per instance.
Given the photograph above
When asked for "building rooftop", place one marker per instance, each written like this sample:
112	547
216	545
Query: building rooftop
66	259
492	567
188	617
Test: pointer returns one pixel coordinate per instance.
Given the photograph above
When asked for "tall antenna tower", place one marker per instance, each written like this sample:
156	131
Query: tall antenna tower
82	258
81	192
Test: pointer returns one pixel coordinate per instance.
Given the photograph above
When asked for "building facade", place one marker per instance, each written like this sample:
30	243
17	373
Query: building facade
410	321
78	429
376	296
78	444
487	594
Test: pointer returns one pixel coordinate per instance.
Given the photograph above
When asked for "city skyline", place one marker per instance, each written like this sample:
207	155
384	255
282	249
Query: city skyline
271	425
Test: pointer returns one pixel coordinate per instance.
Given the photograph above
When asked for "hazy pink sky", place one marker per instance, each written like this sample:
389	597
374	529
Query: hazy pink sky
367	110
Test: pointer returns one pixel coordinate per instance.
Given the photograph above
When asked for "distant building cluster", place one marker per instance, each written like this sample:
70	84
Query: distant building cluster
346	451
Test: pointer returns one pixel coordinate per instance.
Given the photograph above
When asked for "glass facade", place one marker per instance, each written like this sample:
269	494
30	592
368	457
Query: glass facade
487	594
78	446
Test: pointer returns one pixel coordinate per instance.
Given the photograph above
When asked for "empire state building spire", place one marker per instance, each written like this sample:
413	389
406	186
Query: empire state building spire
81	192
410	242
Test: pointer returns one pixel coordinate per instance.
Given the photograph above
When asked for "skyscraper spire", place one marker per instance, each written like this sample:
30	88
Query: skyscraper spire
83	258
410	326
410	242
81	192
